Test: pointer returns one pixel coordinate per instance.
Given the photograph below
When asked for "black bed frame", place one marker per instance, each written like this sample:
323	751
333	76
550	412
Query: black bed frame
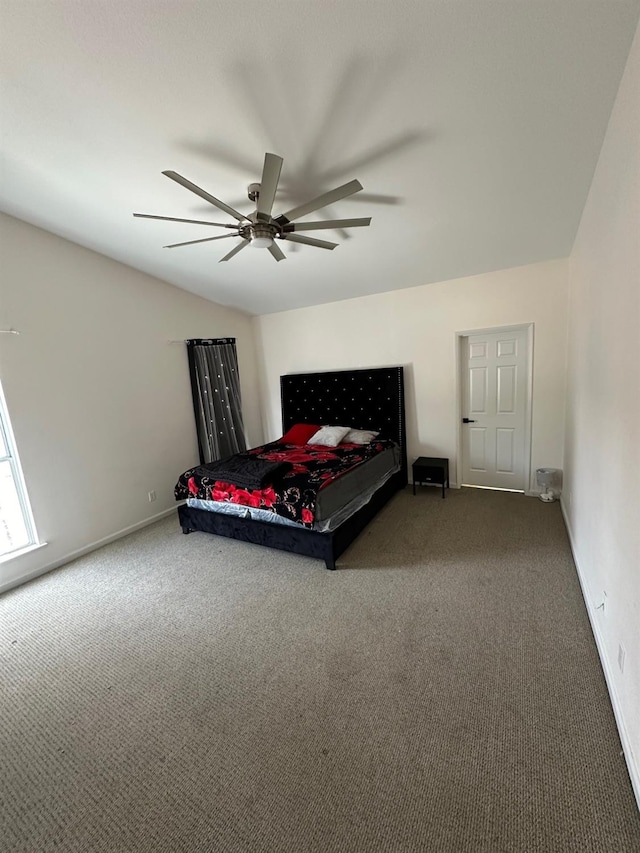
364	399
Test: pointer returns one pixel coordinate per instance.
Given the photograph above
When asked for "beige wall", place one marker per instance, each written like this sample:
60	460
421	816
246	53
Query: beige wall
100	402
602	478
416	327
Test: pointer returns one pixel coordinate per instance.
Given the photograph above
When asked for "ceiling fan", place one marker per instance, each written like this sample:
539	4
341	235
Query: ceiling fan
260	229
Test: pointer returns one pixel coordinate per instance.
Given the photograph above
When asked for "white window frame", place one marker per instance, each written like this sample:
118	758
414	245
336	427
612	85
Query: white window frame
18	479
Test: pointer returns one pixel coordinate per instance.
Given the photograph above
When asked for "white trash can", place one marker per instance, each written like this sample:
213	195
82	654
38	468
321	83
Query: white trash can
549	482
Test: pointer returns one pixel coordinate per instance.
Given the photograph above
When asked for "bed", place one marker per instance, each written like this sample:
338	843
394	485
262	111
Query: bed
364	399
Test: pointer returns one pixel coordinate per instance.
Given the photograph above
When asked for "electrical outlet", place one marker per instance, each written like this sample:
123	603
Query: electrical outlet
152	496
621	657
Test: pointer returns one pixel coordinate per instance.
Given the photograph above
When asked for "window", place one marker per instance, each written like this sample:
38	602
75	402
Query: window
17	530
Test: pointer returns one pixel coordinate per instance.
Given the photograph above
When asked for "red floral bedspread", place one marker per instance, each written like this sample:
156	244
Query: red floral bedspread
294	495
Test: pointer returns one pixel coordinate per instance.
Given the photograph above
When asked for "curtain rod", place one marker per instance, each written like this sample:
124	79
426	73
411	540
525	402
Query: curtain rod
206	340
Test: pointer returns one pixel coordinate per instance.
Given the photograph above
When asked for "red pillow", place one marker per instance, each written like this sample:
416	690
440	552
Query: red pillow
299	434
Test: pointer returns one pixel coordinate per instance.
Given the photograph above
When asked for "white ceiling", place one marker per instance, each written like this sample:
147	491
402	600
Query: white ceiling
474	126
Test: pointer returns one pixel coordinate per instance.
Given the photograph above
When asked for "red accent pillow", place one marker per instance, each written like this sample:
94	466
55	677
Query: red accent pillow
299	434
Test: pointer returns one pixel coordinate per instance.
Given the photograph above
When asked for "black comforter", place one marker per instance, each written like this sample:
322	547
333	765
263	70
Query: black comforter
245	471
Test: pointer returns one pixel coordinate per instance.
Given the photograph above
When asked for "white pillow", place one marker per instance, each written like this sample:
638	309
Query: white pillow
329	436
360	436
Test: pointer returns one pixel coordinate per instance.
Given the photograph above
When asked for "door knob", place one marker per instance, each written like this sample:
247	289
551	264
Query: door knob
468	421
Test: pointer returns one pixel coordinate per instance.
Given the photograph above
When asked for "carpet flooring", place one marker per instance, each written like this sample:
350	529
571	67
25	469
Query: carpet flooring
441	692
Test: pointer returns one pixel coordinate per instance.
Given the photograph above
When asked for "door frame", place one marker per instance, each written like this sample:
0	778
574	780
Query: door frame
528	412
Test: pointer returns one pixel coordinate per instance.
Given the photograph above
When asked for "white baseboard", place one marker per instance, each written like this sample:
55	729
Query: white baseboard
632	764
86	549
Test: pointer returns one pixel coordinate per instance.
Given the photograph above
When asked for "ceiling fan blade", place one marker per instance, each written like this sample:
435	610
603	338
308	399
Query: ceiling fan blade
328	223
193	221
235	250
277	252
321	201
309	241
205	240
268	186
204	194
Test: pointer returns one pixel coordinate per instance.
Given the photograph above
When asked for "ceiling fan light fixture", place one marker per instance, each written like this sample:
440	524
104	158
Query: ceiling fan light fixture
261	242
262	236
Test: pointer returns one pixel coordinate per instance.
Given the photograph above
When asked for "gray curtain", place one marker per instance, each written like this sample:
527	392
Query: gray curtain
215	385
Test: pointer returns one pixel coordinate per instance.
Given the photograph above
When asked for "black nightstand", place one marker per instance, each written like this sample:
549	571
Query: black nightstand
431	469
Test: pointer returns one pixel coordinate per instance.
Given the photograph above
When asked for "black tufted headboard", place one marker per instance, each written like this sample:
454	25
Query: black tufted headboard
363	399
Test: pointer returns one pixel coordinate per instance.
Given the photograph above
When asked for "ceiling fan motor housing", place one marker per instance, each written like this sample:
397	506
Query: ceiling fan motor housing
259	229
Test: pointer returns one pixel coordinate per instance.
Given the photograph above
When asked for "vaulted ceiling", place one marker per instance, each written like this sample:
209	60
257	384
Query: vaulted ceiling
473	125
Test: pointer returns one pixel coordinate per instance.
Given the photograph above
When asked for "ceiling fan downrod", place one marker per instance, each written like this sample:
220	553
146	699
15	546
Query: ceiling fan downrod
253	192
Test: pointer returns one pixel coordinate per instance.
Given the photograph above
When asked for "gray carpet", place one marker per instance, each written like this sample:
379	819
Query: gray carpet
441	691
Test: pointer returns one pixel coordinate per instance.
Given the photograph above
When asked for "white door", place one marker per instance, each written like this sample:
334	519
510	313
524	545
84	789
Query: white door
494	402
